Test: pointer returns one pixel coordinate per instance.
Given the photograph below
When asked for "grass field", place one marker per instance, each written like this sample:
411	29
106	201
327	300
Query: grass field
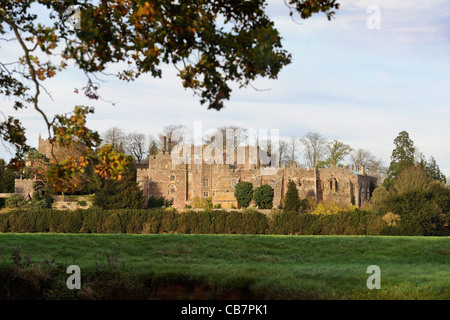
235	266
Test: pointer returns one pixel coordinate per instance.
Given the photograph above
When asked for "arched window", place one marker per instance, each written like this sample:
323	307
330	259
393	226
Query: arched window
172	189
172	177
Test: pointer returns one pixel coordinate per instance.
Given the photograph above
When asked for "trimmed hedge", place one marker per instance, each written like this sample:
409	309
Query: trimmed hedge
138	221
133	221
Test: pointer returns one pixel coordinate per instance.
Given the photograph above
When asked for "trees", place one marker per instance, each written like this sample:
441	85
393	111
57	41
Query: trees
292	151
175	133
263	196
137	146
244	193
315	148
212	44
291	199
373	165
152	146
413	178
120	194
337	151
432	170
401	158
116	137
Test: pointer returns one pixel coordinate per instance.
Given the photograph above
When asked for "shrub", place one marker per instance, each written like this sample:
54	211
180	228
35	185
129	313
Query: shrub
249	221
15	201
202	203
82	203
155	202
72	221
419	214
112	224
244	193
263	196
120	194
378	199
391	219
327	208
440	194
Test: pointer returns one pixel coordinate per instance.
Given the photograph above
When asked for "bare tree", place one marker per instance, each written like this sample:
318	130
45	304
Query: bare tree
283	150
238	135
176	133
373	165
315	148
116	137
292	151
137	146
362	157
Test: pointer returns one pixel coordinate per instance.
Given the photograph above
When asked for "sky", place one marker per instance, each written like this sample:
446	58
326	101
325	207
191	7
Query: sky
350	79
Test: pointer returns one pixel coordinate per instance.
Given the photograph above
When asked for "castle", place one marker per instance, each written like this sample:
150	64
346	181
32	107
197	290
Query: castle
182	182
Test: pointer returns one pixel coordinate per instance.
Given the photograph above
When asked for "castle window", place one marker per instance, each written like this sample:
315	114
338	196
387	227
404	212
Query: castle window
331	185
172	189
233	182
172	177
196	169
335	184
216	169
205	194
205	182
215	183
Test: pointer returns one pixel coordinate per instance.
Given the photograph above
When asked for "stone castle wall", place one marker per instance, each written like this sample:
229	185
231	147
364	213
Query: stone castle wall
198	179
24	187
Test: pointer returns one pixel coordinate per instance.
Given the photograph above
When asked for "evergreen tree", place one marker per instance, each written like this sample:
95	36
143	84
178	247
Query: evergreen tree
433	172
291	199
244	193
120	194
401	158
153	150
264	197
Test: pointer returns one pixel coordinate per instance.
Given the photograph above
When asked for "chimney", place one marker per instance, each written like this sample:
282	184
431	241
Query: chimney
170	145
363	171
164	144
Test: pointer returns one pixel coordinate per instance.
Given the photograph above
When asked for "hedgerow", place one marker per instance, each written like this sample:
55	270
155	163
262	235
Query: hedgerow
140	221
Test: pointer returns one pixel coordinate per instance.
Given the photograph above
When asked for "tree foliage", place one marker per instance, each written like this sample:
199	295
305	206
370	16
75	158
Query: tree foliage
291	198
337	151
432	170
120	194
413	178
401	158
263	196
243	193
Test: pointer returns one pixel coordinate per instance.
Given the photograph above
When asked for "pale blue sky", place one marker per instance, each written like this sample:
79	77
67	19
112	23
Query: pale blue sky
346	82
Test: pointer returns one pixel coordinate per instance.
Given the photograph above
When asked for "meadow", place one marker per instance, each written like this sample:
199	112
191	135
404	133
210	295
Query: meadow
176	266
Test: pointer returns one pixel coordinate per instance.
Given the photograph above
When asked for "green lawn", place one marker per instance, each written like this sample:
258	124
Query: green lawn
272	267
